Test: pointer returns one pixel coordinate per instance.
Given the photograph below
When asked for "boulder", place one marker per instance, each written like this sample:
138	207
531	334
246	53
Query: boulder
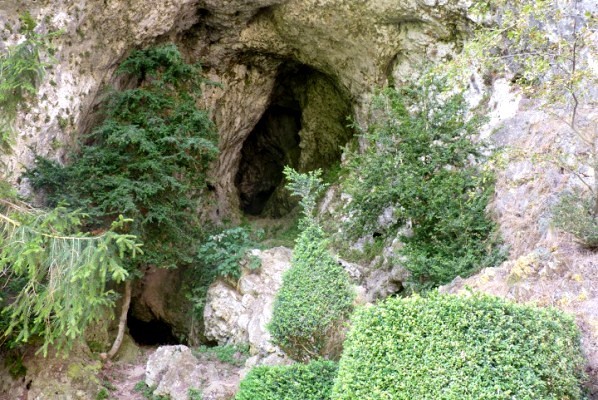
236	315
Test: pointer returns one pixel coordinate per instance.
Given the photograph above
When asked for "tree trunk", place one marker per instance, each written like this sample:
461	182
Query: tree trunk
122	323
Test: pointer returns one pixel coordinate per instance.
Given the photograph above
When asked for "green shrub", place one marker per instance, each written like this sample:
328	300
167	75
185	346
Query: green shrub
148	391
147	161
448	347
420	162
234	354
220	256
314	301
576	213
316	296
311	381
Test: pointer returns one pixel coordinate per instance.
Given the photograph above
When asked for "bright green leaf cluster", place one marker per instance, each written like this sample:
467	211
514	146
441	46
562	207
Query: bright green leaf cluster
311	381
447	347
422	163
308	186
221	256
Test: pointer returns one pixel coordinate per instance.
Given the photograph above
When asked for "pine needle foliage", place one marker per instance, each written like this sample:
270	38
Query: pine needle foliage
21	71
62	273
147	160
421	161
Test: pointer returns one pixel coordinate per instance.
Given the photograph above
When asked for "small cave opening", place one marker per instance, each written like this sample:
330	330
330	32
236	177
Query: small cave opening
151	333
304	127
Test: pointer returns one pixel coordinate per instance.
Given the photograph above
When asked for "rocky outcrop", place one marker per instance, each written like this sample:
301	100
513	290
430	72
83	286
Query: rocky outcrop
244	45
239	315
173	371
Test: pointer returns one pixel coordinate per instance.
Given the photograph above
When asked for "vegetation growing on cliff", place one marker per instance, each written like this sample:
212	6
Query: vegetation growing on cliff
547	48
422	164
21	71
146	161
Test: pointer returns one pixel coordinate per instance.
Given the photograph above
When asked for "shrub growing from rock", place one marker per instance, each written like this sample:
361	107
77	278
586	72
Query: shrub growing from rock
421	162
449	347
311	381
314	301
577	213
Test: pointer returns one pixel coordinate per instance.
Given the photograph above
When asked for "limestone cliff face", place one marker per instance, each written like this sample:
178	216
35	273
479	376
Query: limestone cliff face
319	60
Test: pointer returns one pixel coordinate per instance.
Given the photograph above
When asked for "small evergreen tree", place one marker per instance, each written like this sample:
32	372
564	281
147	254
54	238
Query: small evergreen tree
316	296
147	161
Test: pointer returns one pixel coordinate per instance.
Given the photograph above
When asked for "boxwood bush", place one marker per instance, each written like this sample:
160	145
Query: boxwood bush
449	347
311	381
315	300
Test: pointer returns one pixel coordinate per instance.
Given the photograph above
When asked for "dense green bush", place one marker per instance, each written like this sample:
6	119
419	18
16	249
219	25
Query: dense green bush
311	381
421	162
576	213
448	347
147	161
316	296
314	301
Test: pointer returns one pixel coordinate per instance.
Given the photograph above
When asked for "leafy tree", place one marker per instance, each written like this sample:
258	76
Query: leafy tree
421	162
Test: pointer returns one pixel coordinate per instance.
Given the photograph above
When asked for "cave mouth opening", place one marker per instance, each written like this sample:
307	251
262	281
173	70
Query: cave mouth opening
151	333
272	144
304	127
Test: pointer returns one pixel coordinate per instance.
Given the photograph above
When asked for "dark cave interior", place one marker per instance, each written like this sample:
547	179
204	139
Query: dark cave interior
151	333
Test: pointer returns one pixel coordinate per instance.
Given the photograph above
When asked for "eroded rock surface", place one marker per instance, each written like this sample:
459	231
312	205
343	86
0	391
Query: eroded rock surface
174	370
239	315
244	45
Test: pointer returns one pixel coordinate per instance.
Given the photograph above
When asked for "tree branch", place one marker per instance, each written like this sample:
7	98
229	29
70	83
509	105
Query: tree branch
122	323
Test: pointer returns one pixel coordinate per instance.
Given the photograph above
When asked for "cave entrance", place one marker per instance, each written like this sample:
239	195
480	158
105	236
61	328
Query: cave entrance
304	126
272	144
151	333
